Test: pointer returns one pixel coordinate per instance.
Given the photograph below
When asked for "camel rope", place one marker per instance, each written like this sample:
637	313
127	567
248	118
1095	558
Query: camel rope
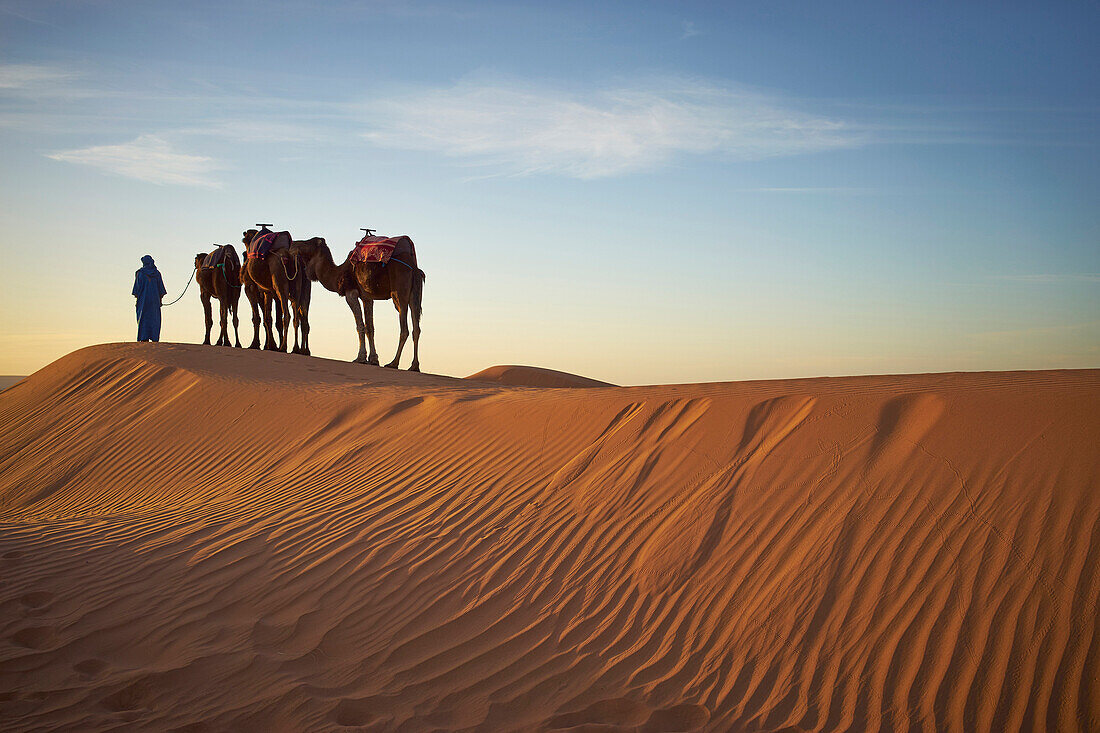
192	277
226	278
288	277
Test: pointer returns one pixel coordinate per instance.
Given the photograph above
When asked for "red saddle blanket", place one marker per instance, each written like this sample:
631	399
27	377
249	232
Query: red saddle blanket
376	249
261	243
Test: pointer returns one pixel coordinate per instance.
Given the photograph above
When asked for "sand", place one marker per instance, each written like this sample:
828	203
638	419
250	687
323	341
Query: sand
526	376
195	538
8	380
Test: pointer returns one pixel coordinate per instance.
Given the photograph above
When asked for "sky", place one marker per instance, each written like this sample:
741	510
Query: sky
639	192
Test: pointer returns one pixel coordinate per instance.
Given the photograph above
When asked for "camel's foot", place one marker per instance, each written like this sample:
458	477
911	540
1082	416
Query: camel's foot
373	361
392	365
237	345
270	347
255	345
415	367
206	342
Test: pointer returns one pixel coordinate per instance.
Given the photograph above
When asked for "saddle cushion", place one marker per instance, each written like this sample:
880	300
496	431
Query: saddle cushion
376	249
223	255
262	243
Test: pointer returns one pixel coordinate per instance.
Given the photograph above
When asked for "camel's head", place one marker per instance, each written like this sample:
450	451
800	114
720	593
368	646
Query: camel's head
307	250
199	259
249	235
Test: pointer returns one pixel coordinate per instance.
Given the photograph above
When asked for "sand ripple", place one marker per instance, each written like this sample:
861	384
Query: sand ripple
206	539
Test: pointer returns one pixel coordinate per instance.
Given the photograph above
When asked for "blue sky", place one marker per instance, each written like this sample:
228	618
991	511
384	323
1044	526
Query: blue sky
640	192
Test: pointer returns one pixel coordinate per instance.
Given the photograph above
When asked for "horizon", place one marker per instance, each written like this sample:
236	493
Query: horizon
644	194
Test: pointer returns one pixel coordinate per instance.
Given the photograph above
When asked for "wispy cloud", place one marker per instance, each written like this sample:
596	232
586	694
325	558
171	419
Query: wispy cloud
522	129
261	131
147	158
31	76
688	29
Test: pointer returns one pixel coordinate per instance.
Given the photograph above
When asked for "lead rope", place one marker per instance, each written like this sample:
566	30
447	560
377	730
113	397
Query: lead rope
165	305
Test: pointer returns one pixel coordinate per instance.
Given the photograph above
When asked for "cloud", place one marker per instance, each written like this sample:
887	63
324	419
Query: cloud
30	76
688	30
261	131
147	158
523	129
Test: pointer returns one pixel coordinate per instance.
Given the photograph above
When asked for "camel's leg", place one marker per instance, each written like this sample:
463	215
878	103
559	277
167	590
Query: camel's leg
415	366
360	328
236	321
301	322
403	319
368	322
269	303
284	327
297	327
223	303
256	320
207	313
303	304
416	295
305	330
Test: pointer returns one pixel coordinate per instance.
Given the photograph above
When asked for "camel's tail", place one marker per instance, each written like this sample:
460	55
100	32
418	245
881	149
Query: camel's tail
417	299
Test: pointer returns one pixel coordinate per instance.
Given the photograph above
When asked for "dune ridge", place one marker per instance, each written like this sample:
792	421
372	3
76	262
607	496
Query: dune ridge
527	376
194	538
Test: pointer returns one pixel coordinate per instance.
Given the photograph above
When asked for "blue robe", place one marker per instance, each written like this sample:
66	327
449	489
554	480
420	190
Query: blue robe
148	289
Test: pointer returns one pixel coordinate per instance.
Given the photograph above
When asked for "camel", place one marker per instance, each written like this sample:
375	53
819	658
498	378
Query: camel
280	278
221	281
365	282
261	311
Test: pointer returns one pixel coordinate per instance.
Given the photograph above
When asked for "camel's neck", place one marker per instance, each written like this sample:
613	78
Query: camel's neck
327	271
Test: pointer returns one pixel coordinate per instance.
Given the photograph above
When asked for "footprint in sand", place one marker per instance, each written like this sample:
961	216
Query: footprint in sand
90	667
34	637
614	712
37	599
352	713
131	697
677	718
621	715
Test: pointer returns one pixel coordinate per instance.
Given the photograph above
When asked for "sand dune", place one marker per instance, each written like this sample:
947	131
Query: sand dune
8	380
194	538
526	376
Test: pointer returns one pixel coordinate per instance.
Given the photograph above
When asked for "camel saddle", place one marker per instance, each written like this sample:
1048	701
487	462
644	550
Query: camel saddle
261	244
220	257
377	249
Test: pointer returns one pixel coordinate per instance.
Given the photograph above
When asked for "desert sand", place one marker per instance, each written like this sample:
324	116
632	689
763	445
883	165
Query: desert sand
195	538
525	376
8	380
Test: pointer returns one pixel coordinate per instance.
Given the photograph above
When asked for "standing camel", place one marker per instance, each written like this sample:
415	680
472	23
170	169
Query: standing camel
219	276
316	258
365	282
261	311
278	275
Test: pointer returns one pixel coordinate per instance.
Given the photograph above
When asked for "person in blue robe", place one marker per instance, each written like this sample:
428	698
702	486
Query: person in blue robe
149	292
